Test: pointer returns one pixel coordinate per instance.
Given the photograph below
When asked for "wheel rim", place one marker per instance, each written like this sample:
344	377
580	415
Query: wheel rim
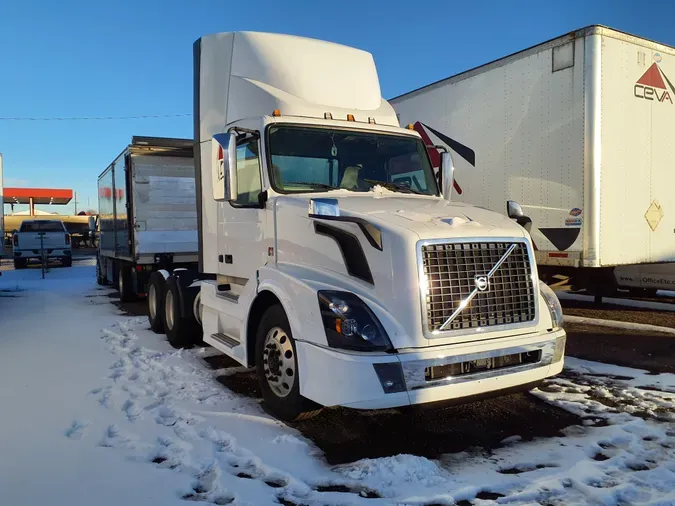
279	362
152	301
168	310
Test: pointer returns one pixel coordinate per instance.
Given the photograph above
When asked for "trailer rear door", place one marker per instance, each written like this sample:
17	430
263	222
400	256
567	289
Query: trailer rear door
637	201
164	205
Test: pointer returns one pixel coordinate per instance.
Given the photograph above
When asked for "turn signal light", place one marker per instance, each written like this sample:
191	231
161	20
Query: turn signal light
350	117
410	126
276	113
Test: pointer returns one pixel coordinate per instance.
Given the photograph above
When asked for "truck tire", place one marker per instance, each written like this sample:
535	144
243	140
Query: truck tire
156	288
125	284
277	368
100	277
20	263
67	261
180	332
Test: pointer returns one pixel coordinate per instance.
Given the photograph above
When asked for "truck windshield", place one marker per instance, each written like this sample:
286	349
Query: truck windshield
305	159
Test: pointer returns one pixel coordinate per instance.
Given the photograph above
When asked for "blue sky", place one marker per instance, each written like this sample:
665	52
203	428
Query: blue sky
128	58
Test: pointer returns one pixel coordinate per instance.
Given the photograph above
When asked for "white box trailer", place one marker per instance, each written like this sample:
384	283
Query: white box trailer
147	213
579	131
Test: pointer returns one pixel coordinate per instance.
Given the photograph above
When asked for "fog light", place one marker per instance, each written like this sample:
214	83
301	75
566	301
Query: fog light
559	349
391	377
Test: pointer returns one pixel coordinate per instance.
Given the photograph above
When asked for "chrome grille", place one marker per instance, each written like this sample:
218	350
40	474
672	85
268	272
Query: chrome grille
451	270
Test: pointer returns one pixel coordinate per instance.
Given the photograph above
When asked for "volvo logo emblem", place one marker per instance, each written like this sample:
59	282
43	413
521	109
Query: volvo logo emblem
482	283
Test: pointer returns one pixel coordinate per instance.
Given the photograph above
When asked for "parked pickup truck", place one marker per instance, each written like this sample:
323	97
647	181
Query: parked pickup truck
34	236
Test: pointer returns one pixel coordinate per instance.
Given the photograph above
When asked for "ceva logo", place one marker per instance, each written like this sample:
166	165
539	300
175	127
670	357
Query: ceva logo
651	85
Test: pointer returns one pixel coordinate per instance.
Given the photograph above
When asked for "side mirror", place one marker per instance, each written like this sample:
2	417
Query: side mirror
224	167
515	212
447	171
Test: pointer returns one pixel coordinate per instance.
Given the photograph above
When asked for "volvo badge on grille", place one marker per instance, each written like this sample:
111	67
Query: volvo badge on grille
482	283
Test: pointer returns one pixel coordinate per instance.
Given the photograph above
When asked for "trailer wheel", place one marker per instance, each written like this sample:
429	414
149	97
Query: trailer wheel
180	332
156	288
100	277
125	284
277	368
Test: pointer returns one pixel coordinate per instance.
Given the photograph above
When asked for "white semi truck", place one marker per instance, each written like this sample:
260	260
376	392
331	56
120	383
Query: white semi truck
340	285
578	130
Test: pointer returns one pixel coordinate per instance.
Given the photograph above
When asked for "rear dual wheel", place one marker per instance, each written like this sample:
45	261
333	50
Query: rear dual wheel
181	331
100	276
156	294
125	284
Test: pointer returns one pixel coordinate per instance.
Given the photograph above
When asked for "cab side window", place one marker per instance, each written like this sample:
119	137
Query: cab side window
248	173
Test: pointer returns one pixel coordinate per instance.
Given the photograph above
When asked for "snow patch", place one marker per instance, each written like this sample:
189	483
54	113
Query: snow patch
397	469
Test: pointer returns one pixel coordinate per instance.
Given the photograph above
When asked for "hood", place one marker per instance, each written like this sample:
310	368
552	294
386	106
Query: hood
427	217
391	288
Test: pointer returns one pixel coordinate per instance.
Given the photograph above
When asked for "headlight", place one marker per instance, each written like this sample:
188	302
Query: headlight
553	304
350	324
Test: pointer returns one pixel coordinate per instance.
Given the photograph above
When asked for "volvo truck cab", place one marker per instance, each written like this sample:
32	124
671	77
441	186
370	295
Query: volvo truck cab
331	258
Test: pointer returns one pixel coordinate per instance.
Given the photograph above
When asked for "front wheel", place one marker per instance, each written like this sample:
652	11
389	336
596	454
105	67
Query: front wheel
277	368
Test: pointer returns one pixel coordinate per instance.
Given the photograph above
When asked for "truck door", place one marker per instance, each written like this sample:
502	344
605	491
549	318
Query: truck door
241	224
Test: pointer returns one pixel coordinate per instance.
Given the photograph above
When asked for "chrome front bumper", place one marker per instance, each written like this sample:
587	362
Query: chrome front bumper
415	370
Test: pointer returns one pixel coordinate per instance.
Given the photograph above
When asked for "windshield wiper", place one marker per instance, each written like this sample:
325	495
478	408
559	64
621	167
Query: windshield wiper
316	185
394	186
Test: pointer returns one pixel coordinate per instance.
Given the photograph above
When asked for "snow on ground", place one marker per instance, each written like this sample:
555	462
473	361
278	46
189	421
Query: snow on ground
97	409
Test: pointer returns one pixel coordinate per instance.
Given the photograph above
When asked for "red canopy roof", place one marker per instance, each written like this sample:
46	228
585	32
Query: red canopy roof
39	195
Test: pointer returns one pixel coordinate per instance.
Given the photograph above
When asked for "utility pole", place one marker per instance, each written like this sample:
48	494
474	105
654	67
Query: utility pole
75	203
